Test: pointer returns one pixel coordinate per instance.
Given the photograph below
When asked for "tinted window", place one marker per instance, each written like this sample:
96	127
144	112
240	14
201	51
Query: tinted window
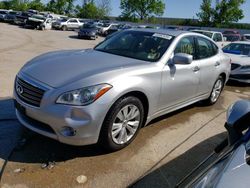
204	48
73	21
186	45
237	48
146	46
217	37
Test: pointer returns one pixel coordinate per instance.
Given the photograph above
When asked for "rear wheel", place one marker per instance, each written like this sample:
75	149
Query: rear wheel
217	89
64	28
122	123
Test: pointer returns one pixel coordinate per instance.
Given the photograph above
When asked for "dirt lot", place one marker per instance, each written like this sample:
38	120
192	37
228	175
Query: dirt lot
167	149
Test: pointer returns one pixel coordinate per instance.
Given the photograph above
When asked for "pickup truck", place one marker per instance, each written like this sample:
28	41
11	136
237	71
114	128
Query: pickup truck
216	36
67	24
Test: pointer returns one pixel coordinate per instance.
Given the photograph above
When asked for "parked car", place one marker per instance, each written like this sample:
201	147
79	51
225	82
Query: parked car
3	14
37	21
105	27
232	35
108	93
214	35
22	18
11	16
229	165
246	37
239	52
115	28
68	24
88	31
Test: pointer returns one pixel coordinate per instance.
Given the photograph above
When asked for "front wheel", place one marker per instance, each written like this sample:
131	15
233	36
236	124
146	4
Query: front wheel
217	89
122	123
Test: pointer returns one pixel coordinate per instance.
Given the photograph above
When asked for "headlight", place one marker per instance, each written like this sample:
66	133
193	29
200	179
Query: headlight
83	96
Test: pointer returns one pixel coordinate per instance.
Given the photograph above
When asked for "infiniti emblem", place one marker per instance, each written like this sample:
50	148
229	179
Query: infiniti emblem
19	89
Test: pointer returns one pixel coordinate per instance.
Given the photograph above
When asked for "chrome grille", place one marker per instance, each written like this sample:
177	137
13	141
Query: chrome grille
28	93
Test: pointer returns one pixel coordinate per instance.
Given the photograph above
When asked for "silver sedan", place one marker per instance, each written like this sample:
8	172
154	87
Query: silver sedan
239	52
108	93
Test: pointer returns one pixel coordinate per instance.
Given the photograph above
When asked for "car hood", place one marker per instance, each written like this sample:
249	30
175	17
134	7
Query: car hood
60	68
240	59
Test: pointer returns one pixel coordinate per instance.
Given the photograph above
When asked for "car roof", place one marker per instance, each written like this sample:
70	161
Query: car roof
162	31
205	31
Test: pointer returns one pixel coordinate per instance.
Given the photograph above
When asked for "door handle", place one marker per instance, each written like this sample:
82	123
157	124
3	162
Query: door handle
217	64
196	69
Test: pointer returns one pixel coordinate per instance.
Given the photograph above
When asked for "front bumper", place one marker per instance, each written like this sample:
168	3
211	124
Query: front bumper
240	75
50	119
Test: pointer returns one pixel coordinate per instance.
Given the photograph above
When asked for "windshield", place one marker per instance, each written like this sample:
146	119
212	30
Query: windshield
208	34
88	26
247	37
13	13
232	38
237	48
40	17
140	45
3	12
105	25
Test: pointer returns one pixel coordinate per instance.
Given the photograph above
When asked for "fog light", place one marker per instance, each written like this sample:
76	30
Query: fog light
68	131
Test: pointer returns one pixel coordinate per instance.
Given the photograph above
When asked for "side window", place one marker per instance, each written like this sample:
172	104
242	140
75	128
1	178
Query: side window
73	21
205	48
217	37
185	45
215	48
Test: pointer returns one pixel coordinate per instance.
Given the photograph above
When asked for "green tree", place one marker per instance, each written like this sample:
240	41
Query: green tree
89	10
206	14
36	5
223	13
142	8
228	11
61	6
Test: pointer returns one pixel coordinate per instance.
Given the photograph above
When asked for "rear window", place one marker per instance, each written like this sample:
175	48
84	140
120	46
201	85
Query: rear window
238	49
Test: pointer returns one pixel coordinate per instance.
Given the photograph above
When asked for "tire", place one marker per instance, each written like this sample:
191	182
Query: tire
216	91
117	133
64	28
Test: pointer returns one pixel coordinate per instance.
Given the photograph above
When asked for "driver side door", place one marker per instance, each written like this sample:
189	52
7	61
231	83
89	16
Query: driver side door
180	81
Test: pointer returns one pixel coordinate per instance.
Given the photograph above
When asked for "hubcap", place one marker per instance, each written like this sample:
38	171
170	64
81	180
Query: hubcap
216	91
125	124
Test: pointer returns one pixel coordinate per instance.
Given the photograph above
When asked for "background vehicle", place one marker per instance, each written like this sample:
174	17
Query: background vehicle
115	28
108	93
37	21
68	24
88	31
22	18
232	35
11	16
239	52
3	14
246	37
231	166
214	35
105	27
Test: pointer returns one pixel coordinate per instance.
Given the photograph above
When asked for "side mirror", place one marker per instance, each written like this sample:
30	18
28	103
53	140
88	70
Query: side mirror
182	59
238	120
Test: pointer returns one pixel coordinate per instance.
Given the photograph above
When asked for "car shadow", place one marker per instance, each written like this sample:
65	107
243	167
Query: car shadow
169	174
76	37
237	84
